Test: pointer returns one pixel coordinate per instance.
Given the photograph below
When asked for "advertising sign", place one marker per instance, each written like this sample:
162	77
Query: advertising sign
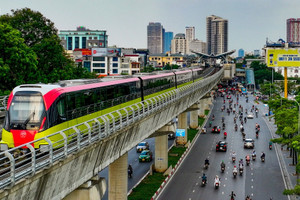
180	132
106	51
283	57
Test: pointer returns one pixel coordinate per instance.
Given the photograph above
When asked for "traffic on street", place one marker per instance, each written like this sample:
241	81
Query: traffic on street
242	162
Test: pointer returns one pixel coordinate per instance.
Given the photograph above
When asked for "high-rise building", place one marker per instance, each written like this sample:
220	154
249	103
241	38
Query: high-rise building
216	34
189	36
178	44
241	53
197	46
167	42
83	38
293	30
155	38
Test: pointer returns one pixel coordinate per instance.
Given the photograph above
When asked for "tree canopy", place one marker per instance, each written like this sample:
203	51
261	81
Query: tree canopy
35	53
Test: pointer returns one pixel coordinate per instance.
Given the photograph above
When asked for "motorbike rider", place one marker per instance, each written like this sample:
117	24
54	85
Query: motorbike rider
222	164
235	127
241	162
217	180
232	195
245	119
223	119
213	117
253	153
248	197
270	144
263	155
206	162
130	171
223	125
204	178
225	134
247	158
233	155
234	169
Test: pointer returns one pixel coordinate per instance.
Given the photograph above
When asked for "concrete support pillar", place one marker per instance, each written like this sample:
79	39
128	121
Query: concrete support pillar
194	119
117	178
182	124
201	108
92	190
161	153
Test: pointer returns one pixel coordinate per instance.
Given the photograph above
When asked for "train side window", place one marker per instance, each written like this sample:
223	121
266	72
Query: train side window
61	109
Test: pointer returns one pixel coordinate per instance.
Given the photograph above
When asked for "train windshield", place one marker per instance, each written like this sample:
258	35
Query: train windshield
26	110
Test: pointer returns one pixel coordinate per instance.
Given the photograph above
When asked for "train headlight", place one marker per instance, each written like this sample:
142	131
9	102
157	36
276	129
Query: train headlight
44	148
3	147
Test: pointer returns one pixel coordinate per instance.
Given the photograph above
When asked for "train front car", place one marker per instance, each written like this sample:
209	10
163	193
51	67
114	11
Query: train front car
26	115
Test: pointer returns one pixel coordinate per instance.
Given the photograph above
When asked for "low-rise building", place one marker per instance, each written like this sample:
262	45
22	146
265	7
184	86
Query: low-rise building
164	59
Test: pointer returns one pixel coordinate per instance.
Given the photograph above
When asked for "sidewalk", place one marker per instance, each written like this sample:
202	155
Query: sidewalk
285	161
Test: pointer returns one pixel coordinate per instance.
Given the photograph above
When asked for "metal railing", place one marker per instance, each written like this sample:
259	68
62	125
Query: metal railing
72	140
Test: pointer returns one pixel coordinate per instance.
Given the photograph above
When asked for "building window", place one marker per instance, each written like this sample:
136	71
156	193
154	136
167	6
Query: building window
296	70
62	38
90	44
95	38
115	58
83	42
90	38
95	44
101	71
76	42
296	76
99	58
115	71
69	43
98	64
115	64
87	65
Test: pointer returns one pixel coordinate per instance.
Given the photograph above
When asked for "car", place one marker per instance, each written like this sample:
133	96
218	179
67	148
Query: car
250	116
145	156
142	146
221	146
216	129
171	136
249	143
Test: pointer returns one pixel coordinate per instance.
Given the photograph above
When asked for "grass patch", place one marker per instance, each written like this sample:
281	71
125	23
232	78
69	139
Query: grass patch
200	121
191	134
172	160
206	112
147	187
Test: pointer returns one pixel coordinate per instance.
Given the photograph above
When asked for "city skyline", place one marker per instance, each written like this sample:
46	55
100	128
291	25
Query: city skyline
249	23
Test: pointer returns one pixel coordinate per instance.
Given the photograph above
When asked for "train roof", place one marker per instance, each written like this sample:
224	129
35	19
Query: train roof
43	88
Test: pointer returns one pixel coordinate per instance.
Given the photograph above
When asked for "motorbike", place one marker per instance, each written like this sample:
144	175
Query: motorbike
210	123
241	171
222	169
203	183
225	136
248	162
248	198
217	184
129	173
270	146
235	128
256	135
234	172
206	166
253	157
233	159
262	159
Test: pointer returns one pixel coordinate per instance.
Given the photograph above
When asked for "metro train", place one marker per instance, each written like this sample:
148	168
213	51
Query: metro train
38	110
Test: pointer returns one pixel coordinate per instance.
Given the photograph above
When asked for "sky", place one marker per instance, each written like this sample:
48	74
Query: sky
250	22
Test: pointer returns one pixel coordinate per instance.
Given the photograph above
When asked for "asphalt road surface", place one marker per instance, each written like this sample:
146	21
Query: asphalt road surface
260	180
139	169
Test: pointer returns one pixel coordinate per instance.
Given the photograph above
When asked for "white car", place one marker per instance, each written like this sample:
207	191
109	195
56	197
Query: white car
142	146
249	143
250	116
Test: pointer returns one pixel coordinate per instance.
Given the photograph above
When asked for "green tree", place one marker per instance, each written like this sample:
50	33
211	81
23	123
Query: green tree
41	36
18	62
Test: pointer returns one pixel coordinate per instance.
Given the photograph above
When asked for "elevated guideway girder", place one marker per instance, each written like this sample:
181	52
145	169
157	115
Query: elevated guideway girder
64	176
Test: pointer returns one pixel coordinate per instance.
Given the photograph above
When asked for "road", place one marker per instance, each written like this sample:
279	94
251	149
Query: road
139	169
260	180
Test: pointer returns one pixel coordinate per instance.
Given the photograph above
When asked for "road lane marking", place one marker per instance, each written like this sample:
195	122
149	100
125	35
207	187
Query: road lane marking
252	180
252	174
193	190
252	186
197	183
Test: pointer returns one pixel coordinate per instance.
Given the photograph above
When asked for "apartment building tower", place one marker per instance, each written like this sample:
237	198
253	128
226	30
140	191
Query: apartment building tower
293	30
216	34
178	44
189	36
155	38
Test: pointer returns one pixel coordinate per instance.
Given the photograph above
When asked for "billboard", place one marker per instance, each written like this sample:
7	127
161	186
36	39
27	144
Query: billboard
106	51
282	57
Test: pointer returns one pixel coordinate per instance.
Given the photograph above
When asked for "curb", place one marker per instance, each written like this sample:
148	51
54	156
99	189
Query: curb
174	170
